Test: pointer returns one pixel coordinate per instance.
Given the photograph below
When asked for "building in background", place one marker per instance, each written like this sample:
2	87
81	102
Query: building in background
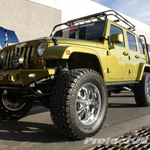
31	19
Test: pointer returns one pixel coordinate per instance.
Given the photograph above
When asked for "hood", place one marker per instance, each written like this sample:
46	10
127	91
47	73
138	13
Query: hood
75	42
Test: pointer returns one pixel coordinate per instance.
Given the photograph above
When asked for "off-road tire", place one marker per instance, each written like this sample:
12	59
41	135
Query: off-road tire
63	103
142	91
9	113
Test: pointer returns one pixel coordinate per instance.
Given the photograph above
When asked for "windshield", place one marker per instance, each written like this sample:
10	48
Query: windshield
12	38
88	31
2	38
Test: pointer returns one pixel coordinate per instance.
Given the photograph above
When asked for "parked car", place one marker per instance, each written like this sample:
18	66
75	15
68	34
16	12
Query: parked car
7	37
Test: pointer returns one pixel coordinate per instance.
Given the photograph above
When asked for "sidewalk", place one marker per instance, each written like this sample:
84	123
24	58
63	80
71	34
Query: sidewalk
113	131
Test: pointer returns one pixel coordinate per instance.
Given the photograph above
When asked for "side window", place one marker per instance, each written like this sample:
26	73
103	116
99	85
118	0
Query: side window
131	41
2	37
141	46
116	30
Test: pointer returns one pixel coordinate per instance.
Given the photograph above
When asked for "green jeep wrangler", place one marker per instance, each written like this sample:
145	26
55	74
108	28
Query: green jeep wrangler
72	71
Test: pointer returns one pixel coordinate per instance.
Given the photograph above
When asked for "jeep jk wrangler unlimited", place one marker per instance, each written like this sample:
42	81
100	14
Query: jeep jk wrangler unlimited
71	72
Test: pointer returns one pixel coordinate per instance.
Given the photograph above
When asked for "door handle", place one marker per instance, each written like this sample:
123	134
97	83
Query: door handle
136	56
125	53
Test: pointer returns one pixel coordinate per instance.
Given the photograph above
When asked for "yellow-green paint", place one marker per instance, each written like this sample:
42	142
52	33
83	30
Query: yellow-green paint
117	38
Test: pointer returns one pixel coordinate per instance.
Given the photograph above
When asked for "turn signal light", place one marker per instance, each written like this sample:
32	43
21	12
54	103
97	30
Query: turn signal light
67	52
39	61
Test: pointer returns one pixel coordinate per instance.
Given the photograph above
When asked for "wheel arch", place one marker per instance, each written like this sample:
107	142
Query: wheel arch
74	55
142	68
79	60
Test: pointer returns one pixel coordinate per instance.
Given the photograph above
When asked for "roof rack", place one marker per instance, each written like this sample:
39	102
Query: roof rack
122	19
103	14
99	16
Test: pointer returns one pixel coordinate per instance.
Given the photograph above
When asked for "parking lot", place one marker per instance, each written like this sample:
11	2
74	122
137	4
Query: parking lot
36	130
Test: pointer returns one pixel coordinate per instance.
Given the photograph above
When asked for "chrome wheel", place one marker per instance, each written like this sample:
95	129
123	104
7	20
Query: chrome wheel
148	90
7	102
88	104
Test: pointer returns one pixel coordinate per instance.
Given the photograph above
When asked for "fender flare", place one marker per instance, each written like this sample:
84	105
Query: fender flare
65	51
142	68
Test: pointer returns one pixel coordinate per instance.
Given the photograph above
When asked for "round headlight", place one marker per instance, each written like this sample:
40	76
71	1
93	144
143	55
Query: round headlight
41	48
2	55
16	61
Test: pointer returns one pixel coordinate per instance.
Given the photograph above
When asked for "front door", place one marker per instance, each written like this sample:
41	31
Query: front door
117	59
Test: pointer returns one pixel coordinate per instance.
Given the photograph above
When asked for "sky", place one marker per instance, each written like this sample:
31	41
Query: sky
137	9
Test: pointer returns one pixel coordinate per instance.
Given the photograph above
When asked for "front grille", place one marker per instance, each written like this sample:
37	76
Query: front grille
24	51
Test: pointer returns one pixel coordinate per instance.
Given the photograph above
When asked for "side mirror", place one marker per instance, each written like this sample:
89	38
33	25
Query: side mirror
115	39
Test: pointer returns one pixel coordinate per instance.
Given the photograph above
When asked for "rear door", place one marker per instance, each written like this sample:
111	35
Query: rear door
136	54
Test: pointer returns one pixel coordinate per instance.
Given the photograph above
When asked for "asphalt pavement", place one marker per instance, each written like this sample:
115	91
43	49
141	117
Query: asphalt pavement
36	130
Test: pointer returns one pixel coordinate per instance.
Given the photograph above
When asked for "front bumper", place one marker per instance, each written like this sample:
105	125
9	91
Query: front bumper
23	77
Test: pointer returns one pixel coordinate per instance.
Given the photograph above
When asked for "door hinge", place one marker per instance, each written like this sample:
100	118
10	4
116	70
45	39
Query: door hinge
129	57
108	70
108	53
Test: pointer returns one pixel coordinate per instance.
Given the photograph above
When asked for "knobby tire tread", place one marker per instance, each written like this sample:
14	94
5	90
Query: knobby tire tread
60	102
